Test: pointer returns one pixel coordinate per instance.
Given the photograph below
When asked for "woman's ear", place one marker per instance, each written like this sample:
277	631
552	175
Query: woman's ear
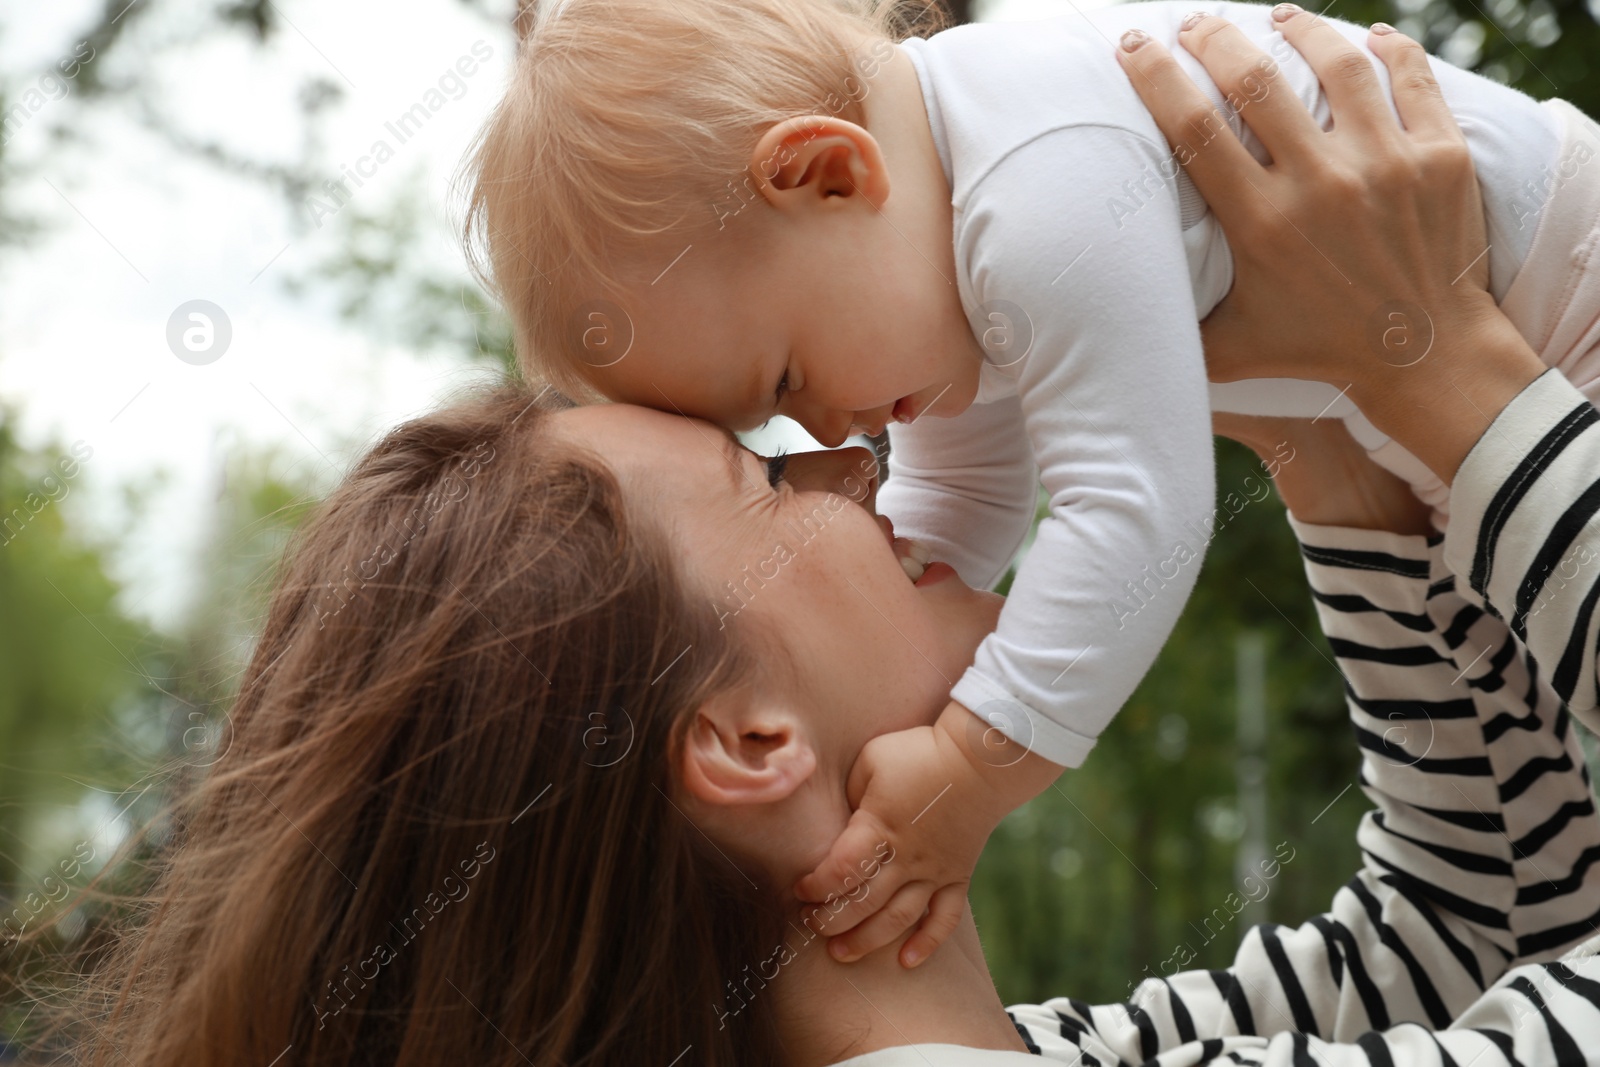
738	753
804	163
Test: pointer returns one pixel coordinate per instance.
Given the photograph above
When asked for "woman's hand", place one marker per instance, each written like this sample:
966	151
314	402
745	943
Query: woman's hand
1325	477
1359	254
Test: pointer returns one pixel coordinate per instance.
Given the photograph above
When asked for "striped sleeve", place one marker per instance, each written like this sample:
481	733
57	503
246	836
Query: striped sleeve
1525	531
1479	856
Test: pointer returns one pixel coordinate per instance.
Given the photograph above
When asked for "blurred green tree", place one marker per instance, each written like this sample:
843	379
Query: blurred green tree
70	660
89	703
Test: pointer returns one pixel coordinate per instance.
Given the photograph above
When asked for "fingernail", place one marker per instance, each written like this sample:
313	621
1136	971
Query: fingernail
1134	40
912	957
1381	28
1191	20
838	951
1285	12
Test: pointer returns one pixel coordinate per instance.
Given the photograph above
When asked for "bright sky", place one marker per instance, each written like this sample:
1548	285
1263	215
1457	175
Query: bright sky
135	232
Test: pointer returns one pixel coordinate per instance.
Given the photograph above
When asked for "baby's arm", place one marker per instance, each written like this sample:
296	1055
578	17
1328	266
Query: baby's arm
965	487
1113	402
1115	406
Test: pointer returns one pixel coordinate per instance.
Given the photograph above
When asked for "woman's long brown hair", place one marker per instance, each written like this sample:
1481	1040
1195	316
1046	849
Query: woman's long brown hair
443	832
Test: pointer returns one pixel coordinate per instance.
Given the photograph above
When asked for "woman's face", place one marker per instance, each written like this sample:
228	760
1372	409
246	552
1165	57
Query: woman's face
803	570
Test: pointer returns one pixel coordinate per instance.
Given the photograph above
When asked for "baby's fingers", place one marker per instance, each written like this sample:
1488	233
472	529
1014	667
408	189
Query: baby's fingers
900	914
944	915
841	871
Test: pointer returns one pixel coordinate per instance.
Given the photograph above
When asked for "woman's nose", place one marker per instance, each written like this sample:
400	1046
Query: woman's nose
850	472
831	428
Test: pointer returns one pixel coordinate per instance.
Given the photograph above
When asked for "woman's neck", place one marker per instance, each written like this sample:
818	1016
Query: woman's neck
828	1011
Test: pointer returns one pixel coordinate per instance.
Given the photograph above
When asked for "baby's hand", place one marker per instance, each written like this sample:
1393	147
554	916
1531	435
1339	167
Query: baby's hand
926	800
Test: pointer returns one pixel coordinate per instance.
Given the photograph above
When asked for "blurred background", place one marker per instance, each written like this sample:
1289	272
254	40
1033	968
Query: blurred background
162	157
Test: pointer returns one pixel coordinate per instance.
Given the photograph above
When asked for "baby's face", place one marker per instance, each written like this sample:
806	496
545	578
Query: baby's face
839	324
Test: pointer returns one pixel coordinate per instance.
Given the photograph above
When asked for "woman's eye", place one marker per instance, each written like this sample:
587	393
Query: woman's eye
775	468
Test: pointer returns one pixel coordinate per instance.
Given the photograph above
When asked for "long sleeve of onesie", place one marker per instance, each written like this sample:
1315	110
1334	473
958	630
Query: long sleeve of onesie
1109	403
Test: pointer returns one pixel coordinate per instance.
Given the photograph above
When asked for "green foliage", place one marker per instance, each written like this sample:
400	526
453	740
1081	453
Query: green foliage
1544	47
91	704
69	660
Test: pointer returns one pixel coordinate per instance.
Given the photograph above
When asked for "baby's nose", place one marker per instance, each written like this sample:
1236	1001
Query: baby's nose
831	429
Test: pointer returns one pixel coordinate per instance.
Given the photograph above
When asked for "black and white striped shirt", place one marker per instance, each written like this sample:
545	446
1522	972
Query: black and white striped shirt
1471	935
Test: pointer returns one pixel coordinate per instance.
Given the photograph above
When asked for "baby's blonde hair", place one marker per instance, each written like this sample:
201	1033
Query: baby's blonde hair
627	128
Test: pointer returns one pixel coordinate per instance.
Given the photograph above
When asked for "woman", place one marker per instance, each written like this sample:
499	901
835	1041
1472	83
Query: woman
533	744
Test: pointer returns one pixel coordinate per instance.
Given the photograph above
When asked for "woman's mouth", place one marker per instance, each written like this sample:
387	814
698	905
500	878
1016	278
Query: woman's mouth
914	557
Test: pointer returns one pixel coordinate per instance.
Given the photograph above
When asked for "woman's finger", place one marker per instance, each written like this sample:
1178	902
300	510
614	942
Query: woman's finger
1354	94
1253	85
1197	133
1417	96
900	914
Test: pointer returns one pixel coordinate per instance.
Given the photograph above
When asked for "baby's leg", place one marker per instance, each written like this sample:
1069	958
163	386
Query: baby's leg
1555	299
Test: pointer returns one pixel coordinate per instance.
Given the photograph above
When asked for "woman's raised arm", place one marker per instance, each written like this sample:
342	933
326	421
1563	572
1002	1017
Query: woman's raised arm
1366	217
1481	852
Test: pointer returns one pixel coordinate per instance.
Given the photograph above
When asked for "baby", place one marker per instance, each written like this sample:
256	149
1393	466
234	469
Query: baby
734	209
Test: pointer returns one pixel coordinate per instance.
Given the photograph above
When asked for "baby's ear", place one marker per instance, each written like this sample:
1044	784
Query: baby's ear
737	752
807	162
